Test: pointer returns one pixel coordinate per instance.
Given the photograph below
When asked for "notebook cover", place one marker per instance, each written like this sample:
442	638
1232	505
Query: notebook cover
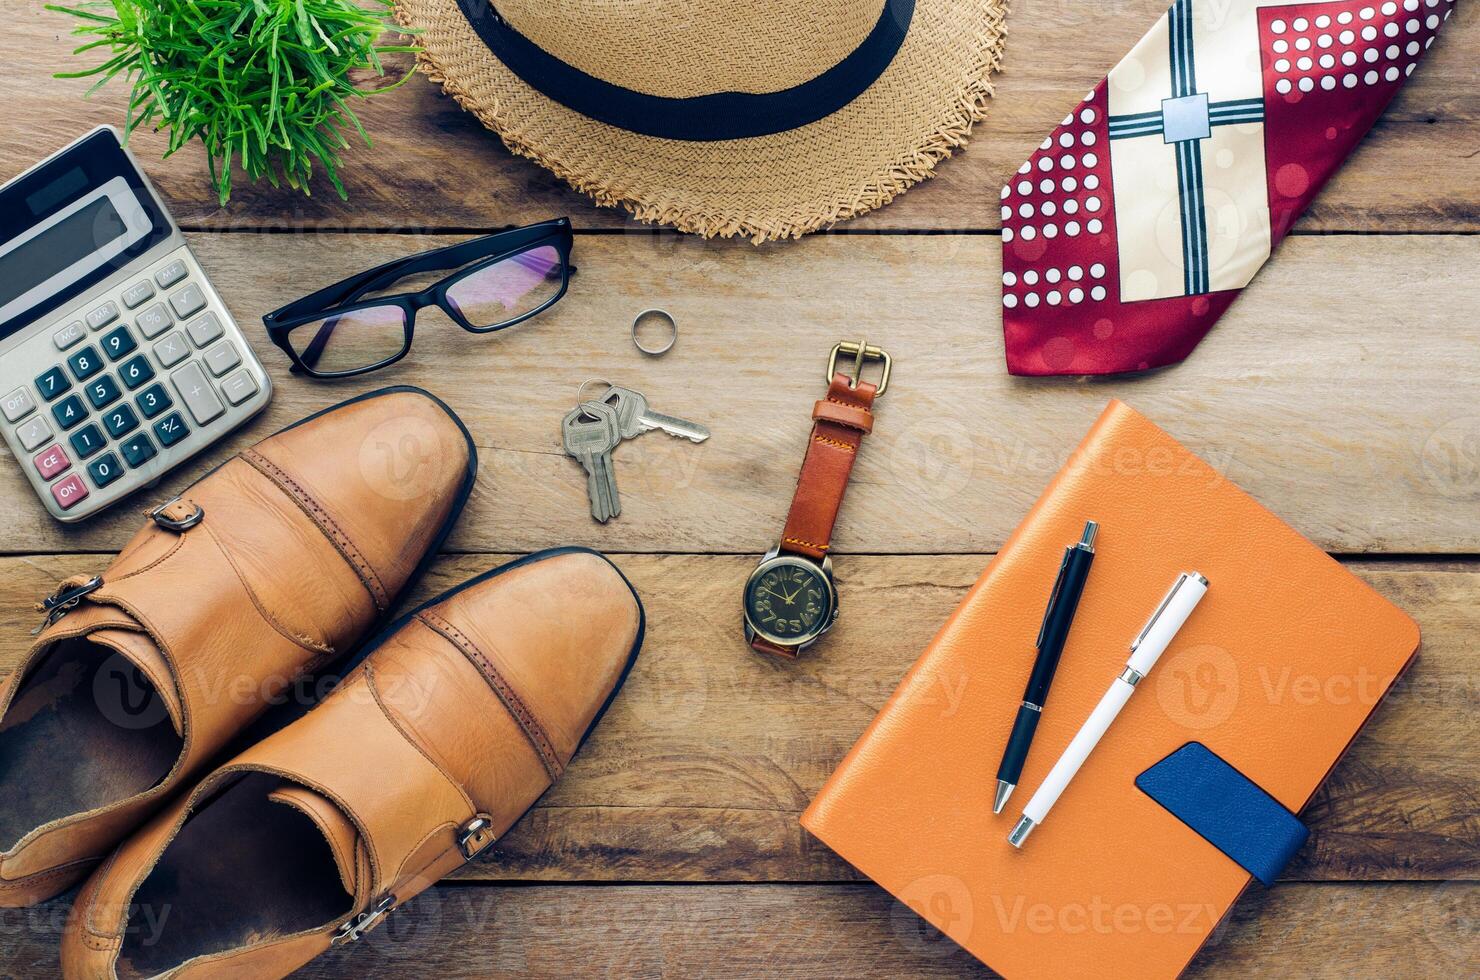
1278	668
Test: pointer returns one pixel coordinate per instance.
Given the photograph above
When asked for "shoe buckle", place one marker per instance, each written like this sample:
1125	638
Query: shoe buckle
473	837
355	928
176	524
60	602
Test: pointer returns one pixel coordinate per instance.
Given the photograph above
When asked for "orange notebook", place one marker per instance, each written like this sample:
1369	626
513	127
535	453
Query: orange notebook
1276	671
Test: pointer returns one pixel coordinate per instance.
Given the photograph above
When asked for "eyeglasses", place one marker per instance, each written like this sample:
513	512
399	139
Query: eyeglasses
501	279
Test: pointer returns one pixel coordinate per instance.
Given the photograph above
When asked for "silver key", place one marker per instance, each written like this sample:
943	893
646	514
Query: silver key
635	418
590	433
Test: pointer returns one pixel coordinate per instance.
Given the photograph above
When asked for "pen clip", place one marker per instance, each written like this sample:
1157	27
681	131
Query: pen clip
1053	596
1159	610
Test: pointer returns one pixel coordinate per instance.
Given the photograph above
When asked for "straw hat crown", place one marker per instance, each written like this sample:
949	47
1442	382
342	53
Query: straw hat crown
763	118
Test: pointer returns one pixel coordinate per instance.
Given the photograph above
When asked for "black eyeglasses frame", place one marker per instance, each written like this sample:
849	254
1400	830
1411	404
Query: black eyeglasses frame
468	257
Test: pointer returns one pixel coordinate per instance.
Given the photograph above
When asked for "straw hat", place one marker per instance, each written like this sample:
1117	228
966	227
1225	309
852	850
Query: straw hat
765	118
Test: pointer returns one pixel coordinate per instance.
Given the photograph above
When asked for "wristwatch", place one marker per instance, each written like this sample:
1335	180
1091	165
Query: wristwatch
790	599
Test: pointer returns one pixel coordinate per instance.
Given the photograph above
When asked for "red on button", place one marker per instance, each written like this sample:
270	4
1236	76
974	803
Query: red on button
51	461
69	492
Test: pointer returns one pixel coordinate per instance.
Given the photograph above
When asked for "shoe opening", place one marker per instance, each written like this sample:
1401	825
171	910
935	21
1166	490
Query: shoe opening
86	729
248	867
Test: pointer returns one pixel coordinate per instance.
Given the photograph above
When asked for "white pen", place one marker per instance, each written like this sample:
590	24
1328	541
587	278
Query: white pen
1146	649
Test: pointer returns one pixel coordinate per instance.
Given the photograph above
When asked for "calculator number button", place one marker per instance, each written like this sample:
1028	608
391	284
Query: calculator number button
69	492
52	461
154	400
103	315
154	321
171	429
85	363
120	421
239	387
138	450
188	301
103	391
119	343
69	335
52	383
105	469
172	350
190	381
69	411
222	358
135	372
33	433
87	440
170	274
138	293
17	405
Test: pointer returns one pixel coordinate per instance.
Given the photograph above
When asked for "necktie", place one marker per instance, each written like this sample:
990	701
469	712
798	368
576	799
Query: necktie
1140	218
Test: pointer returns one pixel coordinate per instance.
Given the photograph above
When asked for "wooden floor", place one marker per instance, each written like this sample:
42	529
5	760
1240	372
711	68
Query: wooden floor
1341	391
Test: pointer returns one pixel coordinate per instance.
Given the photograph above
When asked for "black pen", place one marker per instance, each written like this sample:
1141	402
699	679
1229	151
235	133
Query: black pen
1062	602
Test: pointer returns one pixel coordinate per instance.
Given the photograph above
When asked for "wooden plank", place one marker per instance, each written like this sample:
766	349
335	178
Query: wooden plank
1338	391
703	765
434	166
781	931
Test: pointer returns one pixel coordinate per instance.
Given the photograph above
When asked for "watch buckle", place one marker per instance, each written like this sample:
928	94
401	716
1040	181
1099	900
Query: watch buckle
861	353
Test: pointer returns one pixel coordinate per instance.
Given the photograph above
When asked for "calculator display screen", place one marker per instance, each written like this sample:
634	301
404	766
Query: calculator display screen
58	247
68	224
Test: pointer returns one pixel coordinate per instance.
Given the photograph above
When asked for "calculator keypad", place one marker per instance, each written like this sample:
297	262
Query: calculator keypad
170	373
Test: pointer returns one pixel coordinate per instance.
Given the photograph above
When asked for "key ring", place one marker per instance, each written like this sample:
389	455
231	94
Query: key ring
581	391
661	315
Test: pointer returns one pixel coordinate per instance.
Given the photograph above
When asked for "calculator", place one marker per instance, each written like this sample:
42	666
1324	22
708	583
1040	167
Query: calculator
118	360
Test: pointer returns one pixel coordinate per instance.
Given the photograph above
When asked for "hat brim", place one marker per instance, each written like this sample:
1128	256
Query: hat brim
784	185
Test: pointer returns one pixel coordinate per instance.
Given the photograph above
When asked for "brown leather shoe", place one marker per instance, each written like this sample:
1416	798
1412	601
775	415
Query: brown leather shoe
464	713
270	567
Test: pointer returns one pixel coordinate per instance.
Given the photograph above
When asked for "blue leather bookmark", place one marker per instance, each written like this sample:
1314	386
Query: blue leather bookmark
1226	808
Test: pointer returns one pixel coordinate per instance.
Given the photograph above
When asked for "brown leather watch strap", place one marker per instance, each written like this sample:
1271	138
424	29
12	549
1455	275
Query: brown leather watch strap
840	422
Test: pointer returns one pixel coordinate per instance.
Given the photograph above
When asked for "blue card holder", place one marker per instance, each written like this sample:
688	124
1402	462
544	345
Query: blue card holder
1226	809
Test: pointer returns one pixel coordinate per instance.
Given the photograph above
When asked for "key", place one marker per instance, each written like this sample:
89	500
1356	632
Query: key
635	418
590	433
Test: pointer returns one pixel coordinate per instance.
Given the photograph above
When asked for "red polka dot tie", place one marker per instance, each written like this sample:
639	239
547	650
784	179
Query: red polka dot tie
1142	216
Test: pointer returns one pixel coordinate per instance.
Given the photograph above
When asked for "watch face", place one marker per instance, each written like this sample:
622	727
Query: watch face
789	601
